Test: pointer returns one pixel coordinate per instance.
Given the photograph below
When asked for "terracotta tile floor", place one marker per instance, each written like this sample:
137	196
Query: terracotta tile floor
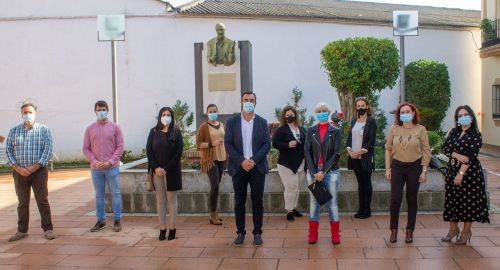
200	245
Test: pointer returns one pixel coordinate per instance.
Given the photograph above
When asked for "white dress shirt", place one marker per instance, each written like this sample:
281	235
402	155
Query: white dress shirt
246	132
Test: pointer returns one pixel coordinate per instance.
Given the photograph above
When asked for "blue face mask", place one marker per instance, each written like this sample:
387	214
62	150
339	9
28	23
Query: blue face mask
28	118
248	107
102	115
212	116
465	120
322	117
406	117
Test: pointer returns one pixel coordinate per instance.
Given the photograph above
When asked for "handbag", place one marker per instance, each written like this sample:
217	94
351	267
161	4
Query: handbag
320	193
150	184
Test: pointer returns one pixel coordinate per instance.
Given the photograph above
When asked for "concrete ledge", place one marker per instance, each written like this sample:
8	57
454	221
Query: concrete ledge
193	198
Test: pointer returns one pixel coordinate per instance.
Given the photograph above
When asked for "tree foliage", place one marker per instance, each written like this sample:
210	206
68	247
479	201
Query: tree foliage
184	118
381	120
428	87
360	67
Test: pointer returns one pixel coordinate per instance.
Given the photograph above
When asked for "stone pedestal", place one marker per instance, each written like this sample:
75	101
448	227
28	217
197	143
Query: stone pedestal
194	197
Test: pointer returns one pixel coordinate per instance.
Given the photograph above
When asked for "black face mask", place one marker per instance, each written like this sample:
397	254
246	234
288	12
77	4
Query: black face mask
290	119
361	111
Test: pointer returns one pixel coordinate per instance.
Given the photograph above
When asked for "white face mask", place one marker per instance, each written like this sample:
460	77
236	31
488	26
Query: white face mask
166	120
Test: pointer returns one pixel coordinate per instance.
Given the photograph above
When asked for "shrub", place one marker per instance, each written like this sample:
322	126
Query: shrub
128	156
184	119
435	142
428	87
381	120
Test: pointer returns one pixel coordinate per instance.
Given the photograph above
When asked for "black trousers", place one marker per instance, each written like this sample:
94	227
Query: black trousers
405	173
38	182
365	190
215	176
240	183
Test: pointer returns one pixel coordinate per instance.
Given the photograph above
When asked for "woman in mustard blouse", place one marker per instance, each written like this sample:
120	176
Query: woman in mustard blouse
407	156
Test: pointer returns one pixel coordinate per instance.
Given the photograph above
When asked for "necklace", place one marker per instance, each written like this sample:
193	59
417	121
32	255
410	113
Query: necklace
295	132
214	126
403	144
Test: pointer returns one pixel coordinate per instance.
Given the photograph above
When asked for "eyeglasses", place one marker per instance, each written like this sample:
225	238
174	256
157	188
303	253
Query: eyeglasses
360	98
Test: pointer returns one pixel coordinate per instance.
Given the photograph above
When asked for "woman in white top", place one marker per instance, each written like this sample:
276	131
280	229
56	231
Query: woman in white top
360	146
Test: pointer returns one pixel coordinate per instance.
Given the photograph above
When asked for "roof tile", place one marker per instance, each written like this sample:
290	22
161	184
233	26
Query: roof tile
331	10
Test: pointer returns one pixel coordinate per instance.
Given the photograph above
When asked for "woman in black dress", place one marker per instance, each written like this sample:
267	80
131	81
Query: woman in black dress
465	197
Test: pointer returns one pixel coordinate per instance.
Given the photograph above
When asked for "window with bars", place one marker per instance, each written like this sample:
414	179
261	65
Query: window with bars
496	102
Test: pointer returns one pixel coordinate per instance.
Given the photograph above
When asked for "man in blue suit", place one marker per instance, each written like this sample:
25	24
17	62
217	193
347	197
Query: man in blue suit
247	142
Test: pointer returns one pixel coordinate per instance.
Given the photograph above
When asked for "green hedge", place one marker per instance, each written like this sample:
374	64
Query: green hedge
428	87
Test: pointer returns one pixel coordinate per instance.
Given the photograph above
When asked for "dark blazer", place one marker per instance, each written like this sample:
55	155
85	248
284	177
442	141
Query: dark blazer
289	157
329	148
369	136
233	141
168	157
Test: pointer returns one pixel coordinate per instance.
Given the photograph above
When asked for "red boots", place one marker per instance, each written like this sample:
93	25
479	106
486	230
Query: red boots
313	232
335	230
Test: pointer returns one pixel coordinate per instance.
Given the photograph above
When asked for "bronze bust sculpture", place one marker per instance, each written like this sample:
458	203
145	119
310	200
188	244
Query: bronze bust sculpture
221	49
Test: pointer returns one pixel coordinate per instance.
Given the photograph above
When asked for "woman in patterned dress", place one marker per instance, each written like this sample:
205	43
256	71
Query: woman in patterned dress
465	196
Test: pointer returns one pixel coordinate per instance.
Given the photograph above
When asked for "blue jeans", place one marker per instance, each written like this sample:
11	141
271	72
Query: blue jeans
331	182
100	178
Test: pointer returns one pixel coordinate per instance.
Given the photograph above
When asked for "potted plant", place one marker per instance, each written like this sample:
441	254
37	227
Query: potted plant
488	29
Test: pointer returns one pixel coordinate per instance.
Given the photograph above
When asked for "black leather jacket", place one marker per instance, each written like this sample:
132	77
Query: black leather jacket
329	148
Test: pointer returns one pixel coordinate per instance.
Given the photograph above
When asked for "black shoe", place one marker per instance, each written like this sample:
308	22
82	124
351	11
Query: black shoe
357	215
297	213
98	226
364	216
171	234
117	227
257	240
289	216
240	239
162	235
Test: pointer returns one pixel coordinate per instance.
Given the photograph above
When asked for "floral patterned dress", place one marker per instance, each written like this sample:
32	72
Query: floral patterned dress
467	202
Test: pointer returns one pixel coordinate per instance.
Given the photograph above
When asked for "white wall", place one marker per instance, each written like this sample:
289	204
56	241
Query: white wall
59	65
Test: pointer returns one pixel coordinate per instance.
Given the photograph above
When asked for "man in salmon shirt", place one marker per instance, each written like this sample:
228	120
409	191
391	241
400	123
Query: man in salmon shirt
103	147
